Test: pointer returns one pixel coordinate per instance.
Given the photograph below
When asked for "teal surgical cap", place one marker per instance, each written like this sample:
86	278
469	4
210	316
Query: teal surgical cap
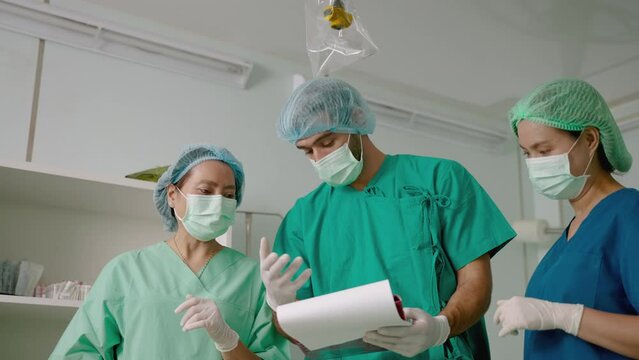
324	104
190	157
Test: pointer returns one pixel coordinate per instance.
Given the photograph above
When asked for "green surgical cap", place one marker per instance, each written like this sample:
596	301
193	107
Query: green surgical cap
324	104
573	105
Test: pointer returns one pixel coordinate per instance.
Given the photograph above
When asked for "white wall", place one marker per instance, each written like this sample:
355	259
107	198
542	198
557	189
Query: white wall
631	179
18	332
17	76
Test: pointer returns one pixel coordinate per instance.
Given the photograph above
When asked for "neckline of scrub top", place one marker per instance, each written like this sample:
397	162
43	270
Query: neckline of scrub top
386	163
212	265
590	215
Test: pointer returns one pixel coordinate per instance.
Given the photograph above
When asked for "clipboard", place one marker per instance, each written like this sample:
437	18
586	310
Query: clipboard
332	325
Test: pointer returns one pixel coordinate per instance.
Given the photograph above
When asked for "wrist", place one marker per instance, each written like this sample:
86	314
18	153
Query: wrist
228	342
571	319
272	303
443	329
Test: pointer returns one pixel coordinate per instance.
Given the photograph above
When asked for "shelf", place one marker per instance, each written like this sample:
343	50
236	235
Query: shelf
25	307
32	184
30	300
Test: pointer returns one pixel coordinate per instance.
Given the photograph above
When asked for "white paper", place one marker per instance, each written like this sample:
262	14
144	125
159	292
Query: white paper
340	317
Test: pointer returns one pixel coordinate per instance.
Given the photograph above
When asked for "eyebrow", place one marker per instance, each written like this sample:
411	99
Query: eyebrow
315	142
535	145
213	183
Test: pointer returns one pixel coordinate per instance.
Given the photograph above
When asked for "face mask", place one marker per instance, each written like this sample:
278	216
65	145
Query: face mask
207	216
551	177
340	168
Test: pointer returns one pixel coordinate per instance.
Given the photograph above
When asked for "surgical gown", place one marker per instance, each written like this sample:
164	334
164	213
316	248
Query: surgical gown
129	312
597	267
417	221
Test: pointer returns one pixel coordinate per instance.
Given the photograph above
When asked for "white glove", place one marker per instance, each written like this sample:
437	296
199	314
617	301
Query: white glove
425	332
519	313
280	289
203	313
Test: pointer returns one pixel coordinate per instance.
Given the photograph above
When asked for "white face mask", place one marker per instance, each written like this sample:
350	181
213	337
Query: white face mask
551	176
340	168
207	216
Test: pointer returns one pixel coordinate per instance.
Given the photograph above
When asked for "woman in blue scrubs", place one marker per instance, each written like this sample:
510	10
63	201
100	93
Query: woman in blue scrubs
582	302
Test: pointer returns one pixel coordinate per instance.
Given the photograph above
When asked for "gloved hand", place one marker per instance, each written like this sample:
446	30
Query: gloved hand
519	313
203	313
280	289
425	332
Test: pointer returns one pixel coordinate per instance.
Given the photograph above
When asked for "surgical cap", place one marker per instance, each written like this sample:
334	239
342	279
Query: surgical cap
190	157
324	104
573	105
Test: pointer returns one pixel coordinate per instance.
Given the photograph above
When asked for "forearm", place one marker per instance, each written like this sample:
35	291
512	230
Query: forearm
287	336
241	352
465	308
471	299
615	332
280	330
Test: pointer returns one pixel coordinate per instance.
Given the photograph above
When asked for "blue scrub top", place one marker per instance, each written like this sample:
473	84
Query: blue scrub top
597	267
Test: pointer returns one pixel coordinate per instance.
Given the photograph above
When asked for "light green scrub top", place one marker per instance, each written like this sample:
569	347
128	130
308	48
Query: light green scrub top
418	221
129	312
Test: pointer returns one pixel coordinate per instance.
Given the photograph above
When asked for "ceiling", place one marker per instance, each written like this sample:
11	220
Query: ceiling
480	53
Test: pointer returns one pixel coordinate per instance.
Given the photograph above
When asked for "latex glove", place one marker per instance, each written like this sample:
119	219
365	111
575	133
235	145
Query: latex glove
519	313
280	287
203	313
425	332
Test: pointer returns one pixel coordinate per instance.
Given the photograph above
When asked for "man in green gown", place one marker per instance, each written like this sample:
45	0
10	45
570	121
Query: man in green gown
423	223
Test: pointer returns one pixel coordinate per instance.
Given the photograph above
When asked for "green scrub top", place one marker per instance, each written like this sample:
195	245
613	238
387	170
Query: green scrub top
129	312
418	221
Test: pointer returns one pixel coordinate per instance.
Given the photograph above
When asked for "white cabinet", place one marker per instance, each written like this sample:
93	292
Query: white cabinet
73	224
18	57
111	116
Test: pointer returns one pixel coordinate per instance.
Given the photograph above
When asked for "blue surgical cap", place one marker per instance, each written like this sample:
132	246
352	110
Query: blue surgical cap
324	104
191	156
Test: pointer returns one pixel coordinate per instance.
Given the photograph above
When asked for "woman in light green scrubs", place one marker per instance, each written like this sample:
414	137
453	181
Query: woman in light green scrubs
188	297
